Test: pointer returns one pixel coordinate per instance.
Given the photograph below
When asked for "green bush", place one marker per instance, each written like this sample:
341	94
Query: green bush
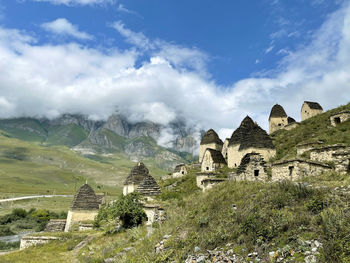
7	246
5	231
128	209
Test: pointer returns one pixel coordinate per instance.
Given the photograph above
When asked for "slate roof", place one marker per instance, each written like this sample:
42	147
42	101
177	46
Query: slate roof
247	159
216	156
290	120
211	137
149	187
137	174
178	168
251	135
277	111
313	105
85	199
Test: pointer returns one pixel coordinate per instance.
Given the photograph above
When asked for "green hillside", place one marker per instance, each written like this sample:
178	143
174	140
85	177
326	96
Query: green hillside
31	168
304	221
317	128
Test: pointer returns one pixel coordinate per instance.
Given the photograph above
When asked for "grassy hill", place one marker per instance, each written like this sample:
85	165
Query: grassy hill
32	168
317	128
255	221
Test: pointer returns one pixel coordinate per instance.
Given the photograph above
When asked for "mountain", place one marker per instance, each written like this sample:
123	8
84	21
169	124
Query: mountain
168	145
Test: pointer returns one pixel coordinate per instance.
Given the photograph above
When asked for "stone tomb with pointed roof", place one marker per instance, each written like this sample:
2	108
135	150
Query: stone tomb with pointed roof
247	138
210	140
212	161
251	168
135	178
278	118
141	181
84	207
180	170
310	109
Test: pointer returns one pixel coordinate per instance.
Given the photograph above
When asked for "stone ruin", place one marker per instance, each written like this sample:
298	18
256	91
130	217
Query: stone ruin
136	176
212	161
149	188
210	140
252	168
295	169
209	183
310	109
339	117
338	154
180	170
55	225
84	207
249	137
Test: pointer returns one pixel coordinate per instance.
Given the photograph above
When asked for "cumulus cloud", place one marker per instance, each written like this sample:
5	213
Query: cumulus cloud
48	80
77	2
63	27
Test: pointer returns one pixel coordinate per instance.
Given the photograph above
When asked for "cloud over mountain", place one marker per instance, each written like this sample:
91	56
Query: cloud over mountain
160	81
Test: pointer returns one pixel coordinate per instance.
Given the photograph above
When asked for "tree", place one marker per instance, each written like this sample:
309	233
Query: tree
128	209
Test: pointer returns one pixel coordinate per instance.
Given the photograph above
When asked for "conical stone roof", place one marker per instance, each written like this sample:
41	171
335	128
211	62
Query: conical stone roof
137	174
149	187
211	137
277	111
216	156
247	159
250	135
85	199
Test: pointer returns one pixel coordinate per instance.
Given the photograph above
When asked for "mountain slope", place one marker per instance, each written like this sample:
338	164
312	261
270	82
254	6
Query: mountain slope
115	135
31	168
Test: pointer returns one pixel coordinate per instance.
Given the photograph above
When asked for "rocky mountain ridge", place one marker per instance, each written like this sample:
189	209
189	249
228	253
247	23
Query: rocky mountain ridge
167	144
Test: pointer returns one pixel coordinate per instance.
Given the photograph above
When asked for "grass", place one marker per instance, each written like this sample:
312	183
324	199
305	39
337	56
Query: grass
28	168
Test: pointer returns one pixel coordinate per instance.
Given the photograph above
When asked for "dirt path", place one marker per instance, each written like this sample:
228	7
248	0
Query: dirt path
31	197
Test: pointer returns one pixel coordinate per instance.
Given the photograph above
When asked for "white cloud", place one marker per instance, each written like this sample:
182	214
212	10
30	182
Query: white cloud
135	38
47	80
123	9
77	2
269	49
62	26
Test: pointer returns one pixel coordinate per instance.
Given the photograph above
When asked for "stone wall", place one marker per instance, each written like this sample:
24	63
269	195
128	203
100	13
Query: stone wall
129	188
29	241
277	123
342	162
202	176
325	154
304	147
235	156
208	164
76	216
254	171
182	172
55	225
339	118
211	182
306	112
297	169
225	148
154	212
203	147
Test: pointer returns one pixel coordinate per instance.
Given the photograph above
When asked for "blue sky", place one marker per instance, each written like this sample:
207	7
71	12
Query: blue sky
241	38
209	62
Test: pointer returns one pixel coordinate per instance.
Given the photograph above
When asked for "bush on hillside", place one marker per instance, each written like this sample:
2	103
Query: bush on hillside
128	209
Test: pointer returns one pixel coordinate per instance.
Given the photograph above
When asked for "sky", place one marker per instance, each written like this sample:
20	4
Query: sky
208	62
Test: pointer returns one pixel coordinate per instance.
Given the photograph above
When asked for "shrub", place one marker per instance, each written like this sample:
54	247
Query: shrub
128	209
5	231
